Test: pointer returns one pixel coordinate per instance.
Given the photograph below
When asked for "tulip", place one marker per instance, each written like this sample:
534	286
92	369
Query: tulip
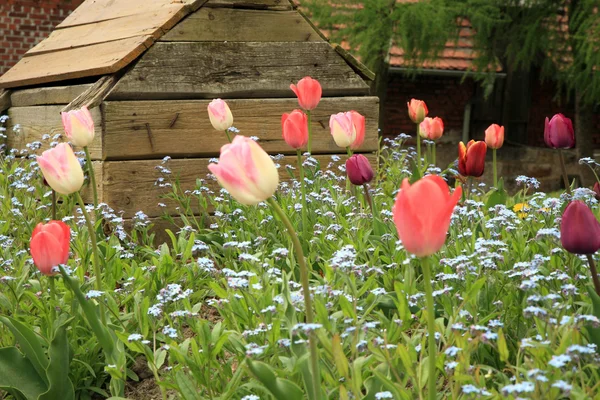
579	229
50	246
246	171
79	126
358	121
61	169
494	136
295	129
417	110
343	129
359	169
596	190
431	128
559	133
220	115
309	93
471	158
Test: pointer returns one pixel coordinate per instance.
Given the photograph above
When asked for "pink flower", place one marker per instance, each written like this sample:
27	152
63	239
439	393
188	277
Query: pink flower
359	169
579	229
61	169
559	133
417	110
359	125
50	245
309	93
295	129
343	129
79	126
246	171
494	136
220	115
431	128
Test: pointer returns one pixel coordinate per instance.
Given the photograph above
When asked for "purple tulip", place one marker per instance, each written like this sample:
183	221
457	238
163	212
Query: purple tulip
596	190
559	133
579	229
359	169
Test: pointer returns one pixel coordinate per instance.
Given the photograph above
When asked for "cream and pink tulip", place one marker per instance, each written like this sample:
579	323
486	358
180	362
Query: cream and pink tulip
79	126
494	136
61	169
220	115
417	110
431	128
343	129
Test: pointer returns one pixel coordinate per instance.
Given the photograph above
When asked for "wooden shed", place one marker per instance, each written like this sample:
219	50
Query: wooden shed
148	69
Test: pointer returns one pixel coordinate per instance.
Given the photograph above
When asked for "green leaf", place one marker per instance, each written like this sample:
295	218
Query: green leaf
594	333
30	345
279	388
496	196
302	362
60	386
19	375
502	348
338	356
187	388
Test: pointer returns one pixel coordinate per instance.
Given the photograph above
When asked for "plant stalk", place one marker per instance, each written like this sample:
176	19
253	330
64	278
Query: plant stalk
309	117
228	135
306	291
88	160
303	190
594	273
418	148
433	155
53	205
495	168
564	171
52	288
432	378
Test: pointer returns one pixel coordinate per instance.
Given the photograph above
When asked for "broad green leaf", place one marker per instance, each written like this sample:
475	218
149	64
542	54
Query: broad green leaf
19	375
502	348
60	386
496	196
338	356
187	388
593	332
279	388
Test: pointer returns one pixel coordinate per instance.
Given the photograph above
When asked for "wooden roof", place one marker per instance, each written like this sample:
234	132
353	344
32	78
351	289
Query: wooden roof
100	37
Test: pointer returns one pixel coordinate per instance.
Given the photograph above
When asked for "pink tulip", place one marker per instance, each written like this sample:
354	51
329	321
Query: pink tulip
61	169
220	115
295	129
431	128
559	133
579	229
359	125
422	214
359	170
343	129
50	246
309	93
417	110
494	136
246	171
79	126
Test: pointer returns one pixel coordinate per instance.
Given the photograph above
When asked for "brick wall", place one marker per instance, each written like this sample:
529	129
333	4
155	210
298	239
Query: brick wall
24	23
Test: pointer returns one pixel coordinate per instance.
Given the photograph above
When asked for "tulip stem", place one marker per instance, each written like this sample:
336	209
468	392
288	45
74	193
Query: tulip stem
564	171
418	149
594	273
348	185
432	378
96	258
433	155
309	123
88	161
228	135
368	199
306	292
52	290
495	168
53	205
303	190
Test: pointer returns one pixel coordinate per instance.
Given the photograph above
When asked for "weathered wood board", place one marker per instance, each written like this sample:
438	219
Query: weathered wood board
130	186
5	100
179	70
214	24
47	95
278	5
35	121
181	128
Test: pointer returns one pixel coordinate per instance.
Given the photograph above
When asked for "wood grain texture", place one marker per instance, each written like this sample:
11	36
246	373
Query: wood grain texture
35	121
171	70
5	100
47	95
94	95
214	24
97	59
192	135
131	186
276	5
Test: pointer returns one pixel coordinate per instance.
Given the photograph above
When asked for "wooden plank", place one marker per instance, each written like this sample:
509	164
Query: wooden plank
276	5
5	100
97	59
29	124
128	123
95	93
130	186
214	24
147	23
172	70
47	95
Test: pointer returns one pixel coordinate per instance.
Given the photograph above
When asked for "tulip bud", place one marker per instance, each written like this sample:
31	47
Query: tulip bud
308	92
220	115
359	125
246	171
342	129
417	110
559	133
494	136
596	190
471	158
79	126
61	169
422	213
295	129
579	229
49	246
359	169
431	128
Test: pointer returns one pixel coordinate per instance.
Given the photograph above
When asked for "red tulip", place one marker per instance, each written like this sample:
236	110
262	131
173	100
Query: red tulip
50	245
359	124
295	129
309	93
579	229
559	133
359	169
471	158
417	110
494	136
596	190
422	214
431	128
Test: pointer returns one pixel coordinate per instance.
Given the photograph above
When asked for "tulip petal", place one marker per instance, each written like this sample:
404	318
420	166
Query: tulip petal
46	252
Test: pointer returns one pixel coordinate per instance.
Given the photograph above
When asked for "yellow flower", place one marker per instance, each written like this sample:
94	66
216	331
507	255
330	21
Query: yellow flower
521	209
